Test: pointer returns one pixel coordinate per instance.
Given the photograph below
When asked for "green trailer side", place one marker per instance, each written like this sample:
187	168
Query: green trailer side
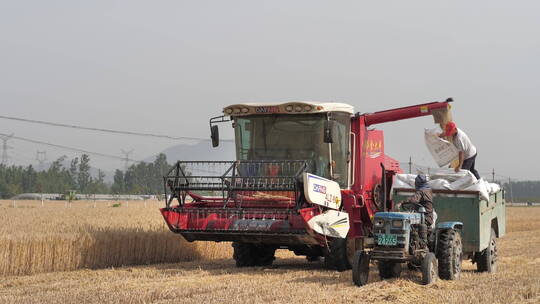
478	216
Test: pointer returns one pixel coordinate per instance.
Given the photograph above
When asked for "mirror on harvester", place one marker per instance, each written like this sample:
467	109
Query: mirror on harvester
214	134
328	127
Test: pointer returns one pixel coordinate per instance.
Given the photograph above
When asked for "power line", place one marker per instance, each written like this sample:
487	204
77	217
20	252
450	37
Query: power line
68	148
55	124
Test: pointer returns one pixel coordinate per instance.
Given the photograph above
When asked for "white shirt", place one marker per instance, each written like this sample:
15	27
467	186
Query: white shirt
464	144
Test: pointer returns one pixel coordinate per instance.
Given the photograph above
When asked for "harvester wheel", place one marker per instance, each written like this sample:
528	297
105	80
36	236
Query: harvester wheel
264	255
360	268
389	270
487	259
335	256
429	269
450	254
244	254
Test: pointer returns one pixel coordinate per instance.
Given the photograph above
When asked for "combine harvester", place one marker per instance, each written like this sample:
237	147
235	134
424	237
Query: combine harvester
309	177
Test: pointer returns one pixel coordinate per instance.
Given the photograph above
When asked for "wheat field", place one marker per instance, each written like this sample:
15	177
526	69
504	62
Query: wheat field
60	236
207	273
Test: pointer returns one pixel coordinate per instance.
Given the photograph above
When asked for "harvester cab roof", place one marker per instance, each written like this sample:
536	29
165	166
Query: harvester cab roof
293	107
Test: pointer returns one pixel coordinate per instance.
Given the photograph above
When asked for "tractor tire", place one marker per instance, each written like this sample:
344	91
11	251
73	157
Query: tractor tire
486	260
412	267
264	255
360	268
244	254
389	270
335	256
429	269
449	254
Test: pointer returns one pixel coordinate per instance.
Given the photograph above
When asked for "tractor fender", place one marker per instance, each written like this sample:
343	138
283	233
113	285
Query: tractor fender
454	225
449	225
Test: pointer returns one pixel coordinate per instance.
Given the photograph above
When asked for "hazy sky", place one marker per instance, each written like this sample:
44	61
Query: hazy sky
167	66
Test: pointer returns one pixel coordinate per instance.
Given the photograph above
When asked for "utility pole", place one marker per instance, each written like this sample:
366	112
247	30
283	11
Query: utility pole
126	158
493	175
41	157
410	164
510	187
5	147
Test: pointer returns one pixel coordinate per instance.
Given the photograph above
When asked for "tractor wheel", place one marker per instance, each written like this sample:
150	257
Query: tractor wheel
360	268
389	270
412	267
429	269
335	256
449	254
487	259
264	255
244	254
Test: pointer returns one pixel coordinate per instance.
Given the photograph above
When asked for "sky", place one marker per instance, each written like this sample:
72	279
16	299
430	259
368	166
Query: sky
166	67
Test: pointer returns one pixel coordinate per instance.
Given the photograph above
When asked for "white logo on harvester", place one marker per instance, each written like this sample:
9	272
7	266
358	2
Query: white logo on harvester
322	191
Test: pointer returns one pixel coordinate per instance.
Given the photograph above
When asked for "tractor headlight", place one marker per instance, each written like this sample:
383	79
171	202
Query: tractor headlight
397	223
379	223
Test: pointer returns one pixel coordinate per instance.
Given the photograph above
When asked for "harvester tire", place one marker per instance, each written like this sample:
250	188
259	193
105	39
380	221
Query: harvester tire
244	254
389	270
486	260
449	254
264	255
335	256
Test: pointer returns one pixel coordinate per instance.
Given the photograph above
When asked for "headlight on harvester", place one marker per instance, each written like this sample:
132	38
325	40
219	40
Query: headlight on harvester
397	223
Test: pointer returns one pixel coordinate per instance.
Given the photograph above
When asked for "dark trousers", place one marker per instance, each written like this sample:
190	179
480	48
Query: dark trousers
468	164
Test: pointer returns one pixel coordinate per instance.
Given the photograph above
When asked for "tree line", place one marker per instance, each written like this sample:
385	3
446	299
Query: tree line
140	178
523	190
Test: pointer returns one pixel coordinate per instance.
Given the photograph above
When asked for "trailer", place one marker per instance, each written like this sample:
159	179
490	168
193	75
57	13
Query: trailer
308	177
483	221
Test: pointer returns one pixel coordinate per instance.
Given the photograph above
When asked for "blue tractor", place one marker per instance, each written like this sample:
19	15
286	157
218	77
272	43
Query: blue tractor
403	237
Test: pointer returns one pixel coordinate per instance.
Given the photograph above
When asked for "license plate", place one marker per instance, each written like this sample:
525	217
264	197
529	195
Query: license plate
387	240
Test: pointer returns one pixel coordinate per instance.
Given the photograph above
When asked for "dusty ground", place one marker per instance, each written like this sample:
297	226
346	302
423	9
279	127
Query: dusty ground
291	280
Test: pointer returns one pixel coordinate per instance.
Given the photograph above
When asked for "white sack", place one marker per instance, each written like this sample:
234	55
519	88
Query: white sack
442	151
404	180
493	188
449	174
482	187
468	180
441	184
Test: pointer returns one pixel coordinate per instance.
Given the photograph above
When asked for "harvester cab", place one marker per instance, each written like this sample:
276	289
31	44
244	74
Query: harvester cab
308	177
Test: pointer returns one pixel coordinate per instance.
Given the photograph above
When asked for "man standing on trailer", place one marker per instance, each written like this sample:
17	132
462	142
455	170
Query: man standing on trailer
467	151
